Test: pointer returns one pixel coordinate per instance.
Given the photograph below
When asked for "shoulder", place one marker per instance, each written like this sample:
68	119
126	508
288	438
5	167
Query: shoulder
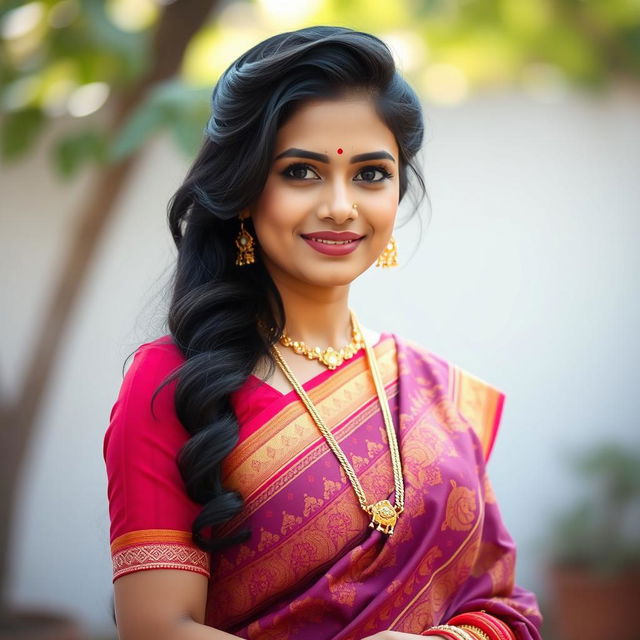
142	400
151	363
477	400
156	357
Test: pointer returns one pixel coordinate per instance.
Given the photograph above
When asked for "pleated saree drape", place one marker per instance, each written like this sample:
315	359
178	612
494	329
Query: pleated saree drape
313	569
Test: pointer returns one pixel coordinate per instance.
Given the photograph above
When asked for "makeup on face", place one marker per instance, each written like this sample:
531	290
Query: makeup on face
330	242
332	193
332	247
295	152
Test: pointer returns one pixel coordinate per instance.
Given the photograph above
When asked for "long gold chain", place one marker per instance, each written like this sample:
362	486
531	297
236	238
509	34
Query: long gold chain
383	513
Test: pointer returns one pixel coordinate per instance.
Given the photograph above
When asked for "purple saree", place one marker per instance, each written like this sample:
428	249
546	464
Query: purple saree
313	569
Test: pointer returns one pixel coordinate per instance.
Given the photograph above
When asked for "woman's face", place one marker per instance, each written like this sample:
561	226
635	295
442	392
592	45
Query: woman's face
329	155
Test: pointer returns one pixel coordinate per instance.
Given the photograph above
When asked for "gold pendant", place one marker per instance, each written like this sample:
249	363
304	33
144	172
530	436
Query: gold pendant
331	359
384	515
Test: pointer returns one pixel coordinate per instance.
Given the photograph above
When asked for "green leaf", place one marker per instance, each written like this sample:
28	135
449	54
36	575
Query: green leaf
19	131
145	122
73	151
131	49
188	135
171	105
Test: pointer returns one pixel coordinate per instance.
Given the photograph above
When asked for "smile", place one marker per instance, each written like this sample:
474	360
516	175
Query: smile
333	247
332	241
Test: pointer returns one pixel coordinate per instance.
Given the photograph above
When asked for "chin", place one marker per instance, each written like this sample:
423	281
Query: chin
333	276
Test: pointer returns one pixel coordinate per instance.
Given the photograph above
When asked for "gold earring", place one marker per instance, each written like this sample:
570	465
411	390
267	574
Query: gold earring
244	242
389	256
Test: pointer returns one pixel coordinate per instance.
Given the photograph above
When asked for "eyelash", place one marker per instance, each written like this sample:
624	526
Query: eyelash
386	174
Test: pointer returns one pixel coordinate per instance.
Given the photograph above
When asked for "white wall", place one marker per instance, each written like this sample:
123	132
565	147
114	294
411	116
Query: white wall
526	276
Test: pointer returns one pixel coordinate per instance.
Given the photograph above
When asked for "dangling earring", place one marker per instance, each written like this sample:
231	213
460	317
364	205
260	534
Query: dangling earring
244	242
389	256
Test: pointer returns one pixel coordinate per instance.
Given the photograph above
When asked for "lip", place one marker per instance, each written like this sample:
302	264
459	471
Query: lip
333	235
333	249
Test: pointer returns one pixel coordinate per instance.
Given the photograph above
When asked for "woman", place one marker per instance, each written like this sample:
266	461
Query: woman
261	483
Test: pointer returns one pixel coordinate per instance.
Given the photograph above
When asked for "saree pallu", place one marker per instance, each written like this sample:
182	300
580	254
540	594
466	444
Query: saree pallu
313	569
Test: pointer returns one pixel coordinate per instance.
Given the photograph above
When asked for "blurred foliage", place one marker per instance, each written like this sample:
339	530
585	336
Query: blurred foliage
71	57
603	531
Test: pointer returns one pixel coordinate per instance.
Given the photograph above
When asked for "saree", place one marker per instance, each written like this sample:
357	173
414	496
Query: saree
313	569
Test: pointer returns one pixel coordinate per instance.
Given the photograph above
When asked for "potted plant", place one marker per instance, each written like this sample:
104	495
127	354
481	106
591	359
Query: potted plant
595	557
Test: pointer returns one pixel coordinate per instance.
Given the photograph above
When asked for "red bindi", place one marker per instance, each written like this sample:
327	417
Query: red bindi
340	151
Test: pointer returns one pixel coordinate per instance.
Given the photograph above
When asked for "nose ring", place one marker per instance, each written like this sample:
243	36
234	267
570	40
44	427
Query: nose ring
354	206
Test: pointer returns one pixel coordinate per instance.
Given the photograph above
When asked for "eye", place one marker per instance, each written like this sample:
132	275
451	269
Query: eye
373	174
300	171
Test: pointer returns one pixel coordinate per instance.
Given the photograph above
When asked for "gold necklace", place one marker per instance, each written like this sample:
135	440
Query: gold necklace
383	513
329	356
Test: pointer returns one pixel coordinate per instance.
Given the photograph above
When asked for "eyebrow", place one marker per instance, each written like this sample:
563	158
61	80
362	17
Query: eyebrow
293	152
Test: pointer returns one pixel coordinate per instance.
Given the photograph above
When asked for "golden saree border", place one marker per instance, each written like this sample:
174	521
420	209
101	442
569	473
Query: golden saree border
479	402
266	453
291	471
428	603
157	549
284	555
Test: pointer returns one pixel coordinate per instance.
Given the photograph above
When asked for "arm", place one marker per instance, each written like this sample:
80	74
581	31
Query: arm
163	604
160	576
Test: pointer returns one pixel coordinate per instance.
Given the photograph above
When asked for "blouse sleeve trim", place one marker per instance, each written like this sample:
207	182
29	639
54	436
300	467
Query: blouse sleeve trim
157	549
480	403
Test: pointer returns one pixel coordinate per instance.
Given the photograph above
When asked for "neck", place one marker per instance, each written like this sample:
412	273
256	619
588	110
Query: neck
318	316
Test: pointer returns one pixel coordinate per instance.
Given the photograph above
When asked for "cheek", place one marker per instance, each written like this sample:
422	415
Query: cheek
274	211
383	208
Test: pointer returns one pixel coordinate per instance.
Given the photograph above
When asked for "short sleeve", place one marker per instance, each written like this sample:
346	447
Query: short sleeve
480	403
150	512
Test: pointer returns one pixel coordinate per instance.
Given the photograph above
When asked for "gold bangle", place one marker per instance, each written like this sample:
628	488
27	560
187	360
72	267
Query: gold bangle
475	631
461	633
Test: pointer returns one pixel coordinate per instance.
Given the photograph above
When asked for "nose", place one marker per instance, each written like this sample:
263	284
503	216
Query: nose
338	206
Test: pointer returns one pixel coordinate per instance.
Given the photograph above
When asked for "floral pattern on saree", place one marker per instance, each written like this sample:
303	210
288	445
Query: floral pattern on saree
313	569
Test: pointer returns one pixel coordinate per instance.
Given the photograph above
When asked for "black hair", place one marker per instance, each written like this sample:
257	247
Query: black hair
217	309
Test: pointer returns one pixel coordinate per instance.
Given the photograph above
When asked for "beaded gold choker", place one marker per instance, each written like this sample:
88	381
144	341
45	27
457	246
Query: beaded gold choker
329	357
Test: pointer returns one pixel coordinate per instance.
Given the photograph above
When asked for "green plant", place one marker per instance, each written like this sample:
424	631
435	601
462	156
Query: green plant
602	532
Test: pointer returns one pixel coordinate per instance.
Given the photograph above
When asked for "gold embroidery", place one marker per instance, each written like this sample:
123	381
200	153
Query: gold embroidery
289	521
461	508
489	495
311	503
330	487
262	454
420	611
304	555
266	539
373	448
359	462
502	574
244	554
151	536
479	402
269	491
321	537
343	587
157	549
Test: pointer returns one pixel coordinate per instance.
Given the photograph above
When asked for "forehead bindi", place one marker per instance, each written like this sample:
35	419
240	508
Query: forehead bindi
338	127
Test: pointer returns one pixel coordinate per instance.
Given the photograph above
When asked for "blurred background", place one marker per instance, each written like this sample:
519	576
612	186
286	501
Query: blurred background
522	267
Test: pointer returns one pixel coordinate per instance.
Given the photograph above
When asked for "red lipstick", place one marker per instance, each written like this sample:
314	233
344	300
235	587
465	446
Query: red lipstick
333	243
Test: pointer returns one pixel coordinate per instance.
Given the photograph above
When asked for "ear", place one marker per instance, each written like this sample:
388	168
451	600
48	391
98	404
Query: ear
244	214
